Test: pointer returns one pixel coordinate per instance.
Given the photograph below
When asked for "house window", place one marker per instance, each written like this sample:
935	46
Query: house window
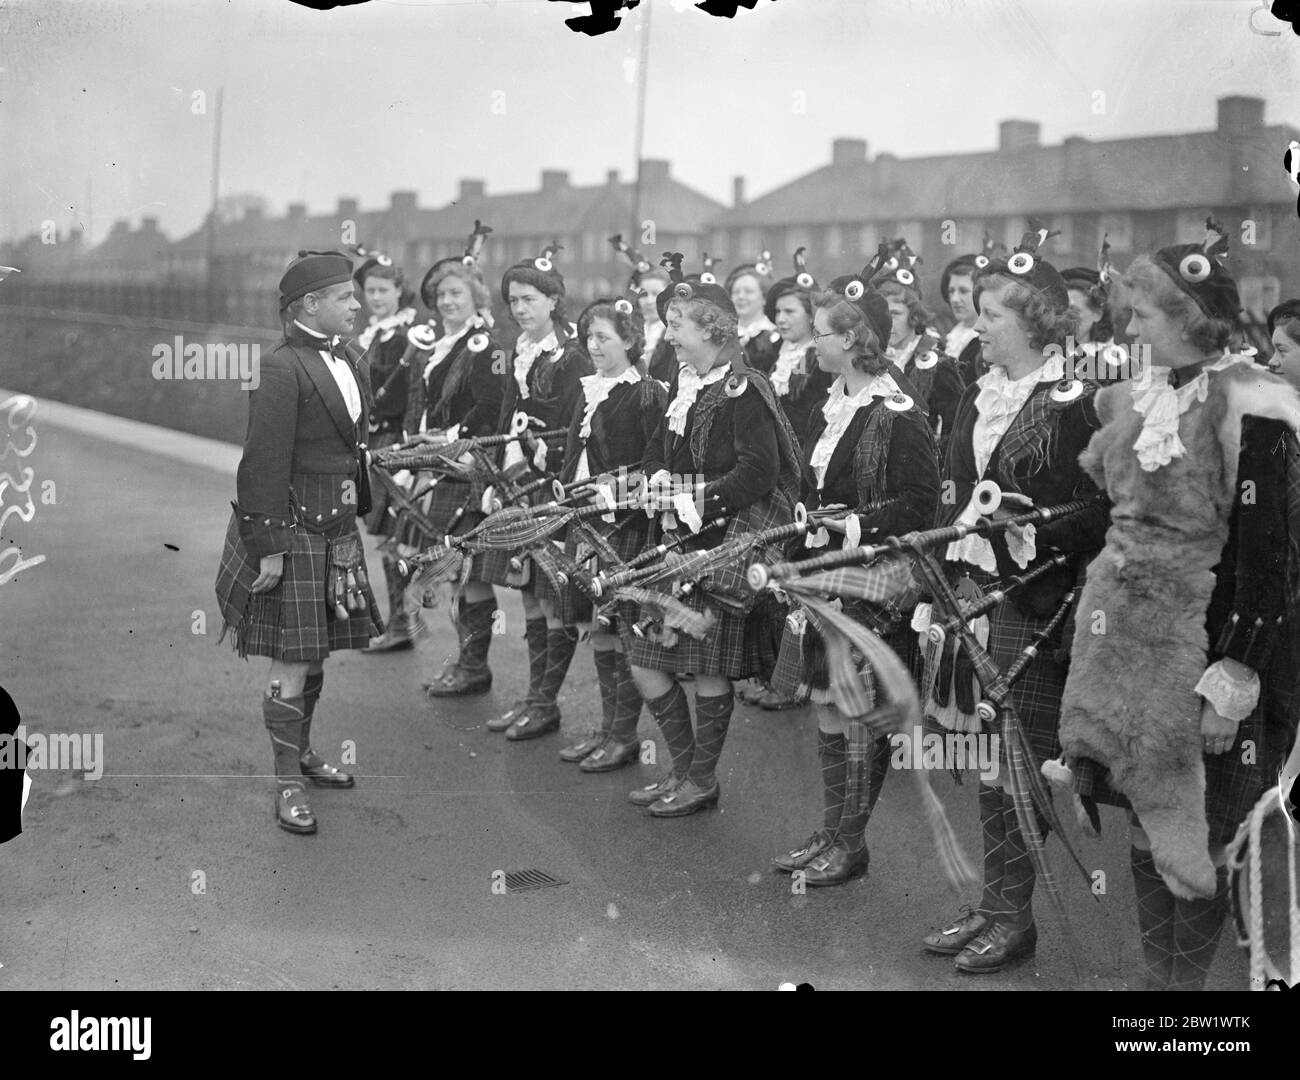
1260	294
912	232
834	242
970	235
750	246
718	243
1190	226
1118	229
868	239
1065	242
1013	229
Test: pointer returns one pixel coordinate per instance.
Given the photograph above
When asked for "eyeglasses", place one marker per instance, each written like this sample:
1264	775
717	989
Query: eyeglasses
829	333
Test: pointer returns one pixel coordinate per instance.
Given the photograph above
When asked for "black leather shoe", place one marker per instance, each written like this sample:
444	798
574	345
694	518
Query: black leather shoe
836	865
455	682
995	947
292	811
533	725
956	936
507	718
575	752
652	793
323	774
611	755
803	855
389	641
687	798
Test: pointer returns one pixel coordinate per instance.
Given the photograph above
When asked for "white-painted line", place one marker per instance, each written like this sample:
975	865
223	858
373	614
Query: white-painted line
222	457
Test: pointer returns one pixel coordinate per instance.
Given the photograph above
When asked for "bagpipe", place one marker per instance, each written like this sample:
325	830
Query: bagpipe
419	339
866	572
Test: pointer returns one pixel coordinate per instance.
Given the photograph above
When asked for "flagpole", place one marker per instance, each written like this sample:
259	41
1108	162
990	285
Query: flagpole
212	212
643	65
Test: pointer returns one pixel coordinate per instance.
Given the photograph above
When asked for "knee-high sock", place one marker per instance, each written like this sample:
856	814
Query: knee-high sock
535	636
607	679
672	712
396	595
474	621
310	695
712	718
834	761
627	700
560	646
1017	868
283	718
994	827
860	797
1197	924
1155	910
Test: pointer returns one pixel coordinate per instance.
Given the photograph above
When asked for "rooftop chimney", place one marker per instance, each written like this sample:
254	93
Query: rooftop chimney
471	189
611	177
737	191
149	225
1018	134
554	179
348	208
402	202
653	170
1238	115
252	213
297	211
848	151
886	171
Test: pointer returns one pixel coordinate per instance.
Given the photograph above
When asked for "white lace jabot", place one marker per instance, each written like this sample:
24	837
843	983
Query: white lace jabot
689	385
839	411
526	353
786	361
1162	408
596	388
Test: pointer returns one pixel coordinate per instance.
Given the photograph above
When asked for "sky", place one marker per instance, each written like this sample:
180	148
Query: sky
107	107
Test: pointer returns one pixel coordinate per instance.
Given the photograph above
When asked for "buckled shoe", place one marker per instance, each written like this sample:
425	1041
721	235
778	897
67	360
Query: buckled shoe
652	793
292	811
996	947
610	755
686	798
956	936
804	854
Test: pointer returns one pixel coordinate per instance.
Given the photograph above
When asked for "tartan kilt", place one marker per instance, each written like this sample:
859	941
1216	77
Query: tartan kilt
801	670
1036	695
1232	786
379	522
628	536
738	646
291	622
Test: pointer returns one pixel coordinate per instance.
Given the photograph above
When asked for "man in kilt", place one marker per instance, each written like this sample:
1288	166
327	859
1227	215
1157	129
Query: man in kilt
292	585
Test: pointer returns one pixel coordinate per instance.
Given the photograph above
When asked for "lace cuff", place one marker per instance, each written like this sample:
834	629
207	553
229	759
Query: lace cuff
1021	544
1232	698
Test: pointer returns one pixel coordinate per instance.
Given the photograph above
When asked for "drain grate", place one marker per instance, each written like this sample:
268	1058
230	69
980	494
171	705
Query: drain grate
521	880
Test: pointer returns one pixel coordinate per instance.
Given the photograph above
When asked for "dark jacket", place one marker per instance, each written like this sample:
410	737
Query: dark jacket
466	388
621	429
298	423
1039	458
389	380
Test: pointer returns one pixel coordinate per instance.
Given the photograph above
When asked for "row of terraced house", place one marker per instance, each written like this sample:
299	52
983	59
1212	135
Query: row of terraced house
1140	192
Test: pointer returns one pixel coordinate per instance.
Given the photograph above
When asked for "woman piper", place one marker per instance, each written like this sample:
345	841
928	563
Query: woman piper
545	375
292	584
914	347
798	383
1188	726
1023	427
644	287
957	286
723	429
615	419
384	342
871	451
747	287
458	394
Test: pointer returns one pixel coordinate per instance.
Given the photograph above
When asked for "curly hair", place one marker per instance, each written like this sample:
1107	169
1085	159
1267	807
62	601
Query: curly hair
918	317
627	324
1044	322
845	317
472	278
393	273
717	326
1202	332
551	284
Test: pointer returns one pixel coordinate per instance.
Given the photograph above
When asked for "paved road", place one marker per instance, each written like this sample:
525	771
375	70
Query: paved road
396	889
